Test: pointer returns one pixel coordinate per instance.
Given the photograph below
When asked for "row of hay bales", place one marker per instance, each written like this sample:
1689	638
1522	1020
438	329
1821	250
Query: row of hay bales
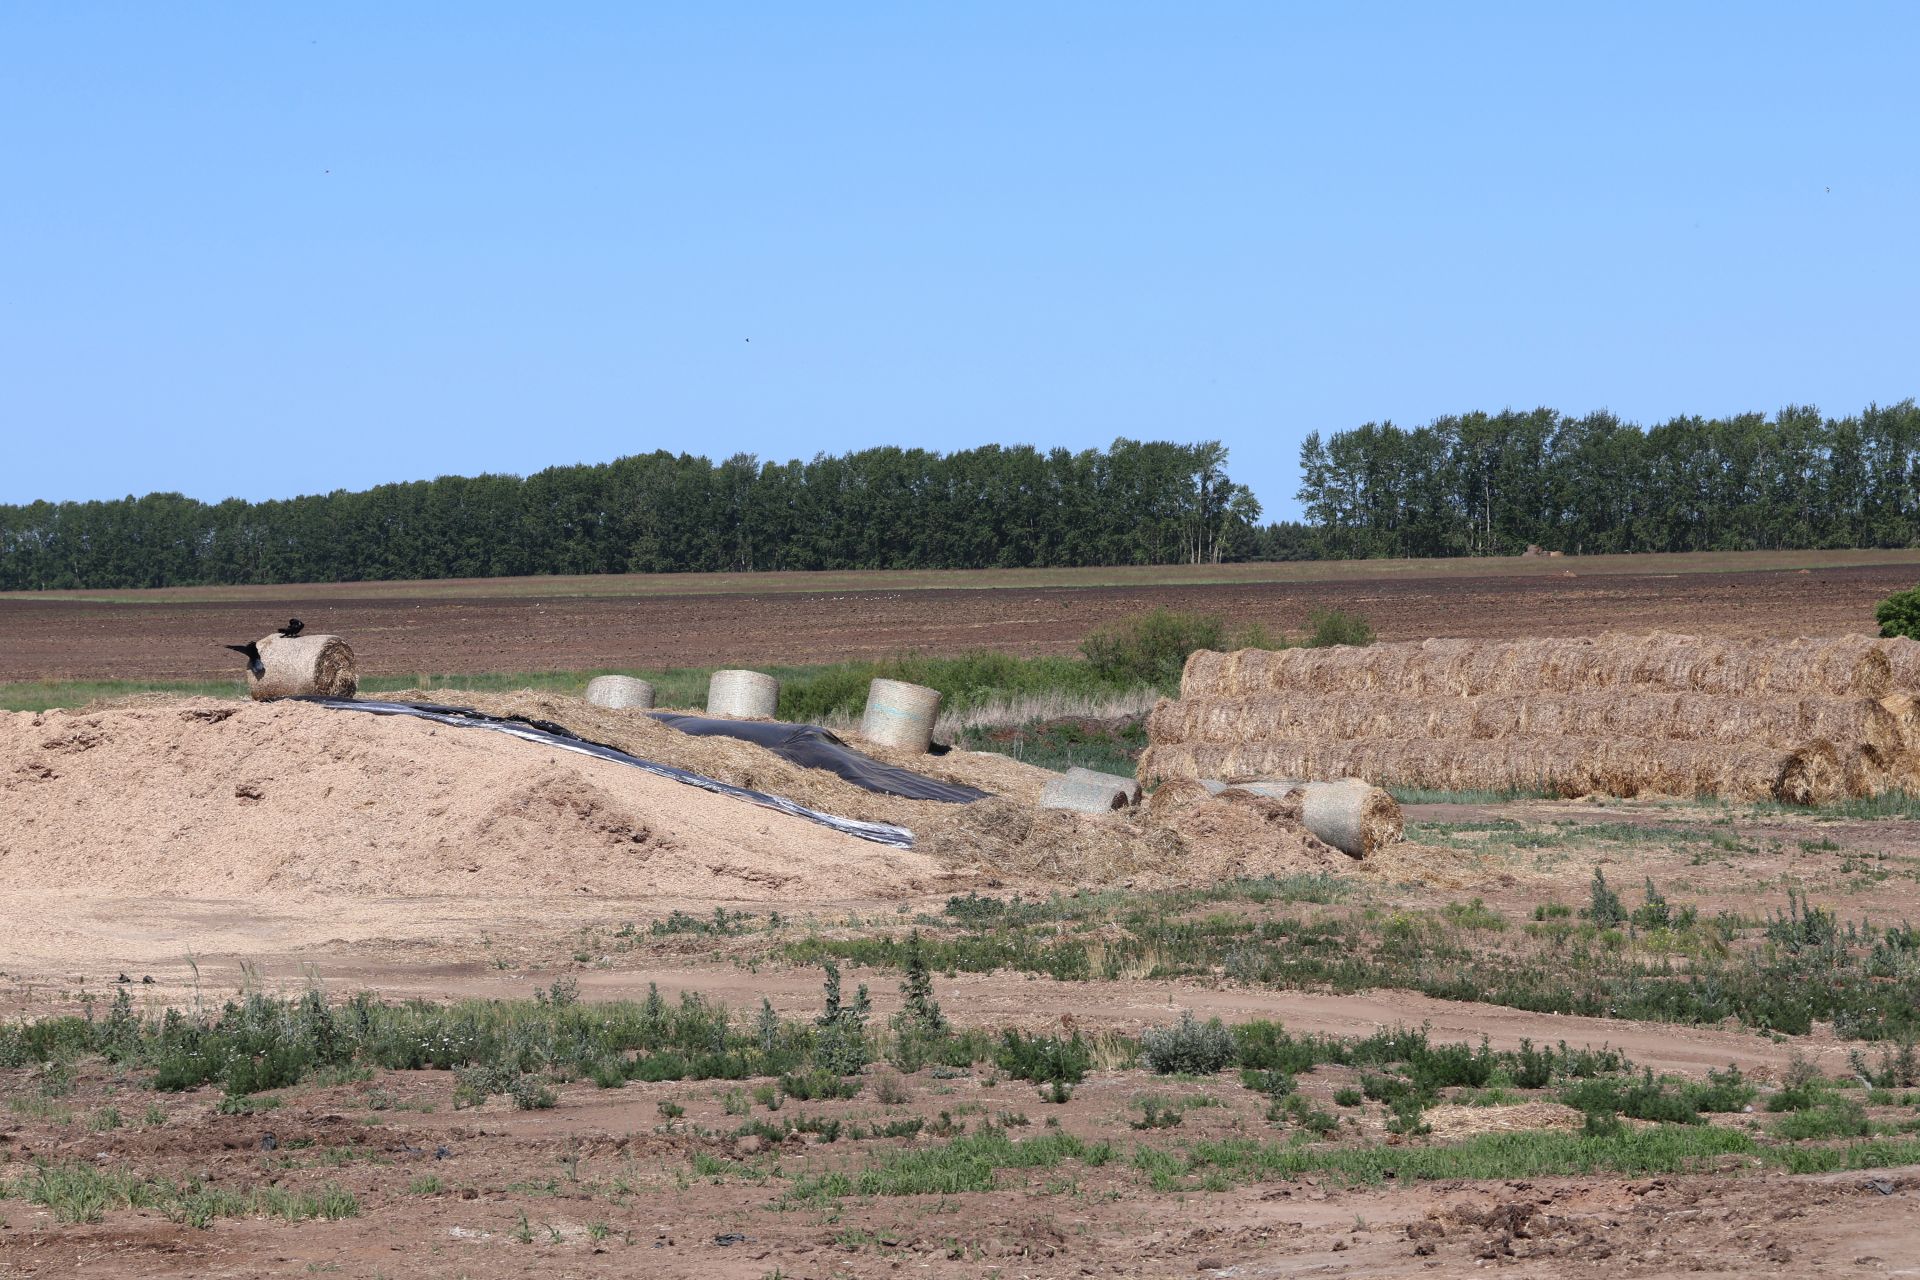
1801	721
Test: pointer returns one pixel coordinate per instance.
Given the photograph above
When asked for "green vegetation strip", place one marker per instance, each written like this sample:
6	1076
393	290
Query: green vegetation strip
77	1192
1659	961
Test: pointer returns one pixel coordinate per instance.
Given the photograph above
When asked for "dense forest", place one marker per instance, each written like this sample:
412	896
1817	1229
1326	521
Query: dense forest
1132	503
1490	484
1477	484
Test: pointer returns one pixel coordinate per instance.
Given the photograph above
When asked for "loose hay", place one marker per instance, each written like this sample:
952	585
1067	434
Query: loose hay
1451	1121
1183	836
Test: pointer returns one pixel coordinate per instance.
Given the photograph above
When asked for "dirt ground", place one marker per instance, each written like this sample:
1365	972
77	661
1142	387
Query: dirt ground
462	628
602	1185
609	1182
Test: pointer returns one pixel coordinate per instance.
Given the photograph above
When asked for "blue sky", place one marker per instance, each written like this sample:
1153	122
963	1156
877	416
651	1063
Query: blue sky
254	251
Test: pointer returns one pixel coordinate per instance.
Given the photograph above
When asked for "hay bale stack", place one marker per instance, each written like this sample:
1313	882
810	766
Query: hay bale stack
304	667
1802	721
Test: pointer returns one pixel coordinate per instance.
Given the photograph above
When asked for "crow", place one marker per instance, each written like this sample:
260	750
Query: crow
252	652
293	628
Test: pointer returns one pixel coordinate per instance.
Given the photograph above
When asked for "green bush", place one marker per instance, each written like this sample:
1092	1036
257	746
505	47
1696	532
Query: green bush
1328	627
1899	614
1153	647
1044	1059
1188	1047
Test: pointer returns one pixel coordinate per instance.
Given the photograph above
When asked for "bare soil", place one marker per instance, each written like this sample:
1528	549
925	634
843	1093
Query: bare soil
602	1186
517	625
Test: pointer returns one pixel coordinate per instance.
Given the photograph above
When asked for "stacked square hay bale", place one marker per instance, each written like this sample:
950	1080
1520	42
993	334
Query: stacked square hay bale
1801	721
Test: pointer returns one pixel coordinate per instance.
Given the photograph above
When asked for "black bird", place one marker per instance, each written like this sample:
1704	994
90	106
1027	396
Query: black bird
293	628
252	652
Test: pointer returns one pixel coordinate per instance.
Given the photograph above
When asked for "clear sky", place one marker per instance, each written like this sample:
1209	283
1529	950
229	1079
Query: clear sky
268	249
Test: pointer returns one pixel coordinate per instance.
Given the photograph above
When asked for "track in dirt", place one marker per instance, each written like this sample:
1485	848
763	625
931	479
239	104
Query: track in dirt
475	628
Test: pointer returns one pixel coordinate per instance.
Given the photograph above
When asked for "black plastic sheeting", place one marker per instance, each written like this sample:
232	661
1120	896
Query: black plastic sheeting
547	733
811	747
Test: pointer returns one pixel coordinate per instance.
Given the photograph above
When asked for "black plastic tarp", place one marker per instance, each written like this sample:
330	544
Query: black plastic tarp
811	747
547	733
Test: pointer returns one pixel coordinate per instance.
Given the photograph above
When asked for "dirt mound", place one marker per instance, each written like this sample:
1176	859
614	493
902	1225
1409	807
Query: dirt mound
1183	836
289	800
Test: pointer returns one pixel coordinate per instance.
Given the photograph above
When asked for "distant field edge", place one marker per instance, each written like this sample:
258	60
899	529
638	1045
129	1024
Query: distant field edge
618	585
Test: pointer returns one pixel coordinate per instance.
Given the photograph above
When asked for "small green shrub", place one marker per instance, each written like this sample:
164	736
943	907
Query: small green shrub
1605	908
1327	627
1153	647
1188	1047
1044	1059
1899	614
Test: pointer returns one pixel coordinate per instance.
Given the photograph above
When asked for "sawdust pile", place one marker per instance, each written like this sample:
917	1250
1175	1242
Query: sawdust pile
290	802
287	800
1802	721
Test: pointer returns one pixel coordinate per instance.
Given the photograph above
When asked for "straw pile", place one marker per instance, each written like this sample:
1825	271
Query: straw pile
1802	721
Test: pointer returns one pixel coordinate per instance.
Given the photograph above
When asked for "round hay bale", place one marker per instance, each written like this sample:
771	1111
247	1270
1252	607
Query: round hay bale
620	692
1811	775
306	666
900	715
743	695
1082	795
1351	815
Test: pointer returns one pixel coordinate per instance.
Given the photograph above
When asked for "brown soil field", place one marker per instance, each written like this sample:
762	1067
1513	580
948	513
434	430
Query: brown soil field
635	622
605	1184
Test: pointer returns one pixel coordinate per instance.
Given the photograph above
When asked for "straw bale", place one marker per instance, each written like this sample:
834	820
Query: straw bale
1858	666
1351	815
1885	727
1567	766
303	667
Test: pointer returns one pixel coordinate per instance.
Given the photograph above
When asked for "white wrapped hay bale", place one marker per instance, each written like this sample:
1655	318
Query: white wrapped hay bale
743	695
900	714
620	692
1089	793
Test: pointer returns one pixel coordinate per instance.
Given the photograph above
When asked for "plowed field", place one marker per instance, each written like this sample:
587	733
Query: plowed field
545	624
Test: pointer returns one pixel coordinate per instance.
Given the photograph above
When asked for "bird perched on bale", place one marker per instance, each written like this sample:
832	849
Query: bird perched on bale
293	628
252	653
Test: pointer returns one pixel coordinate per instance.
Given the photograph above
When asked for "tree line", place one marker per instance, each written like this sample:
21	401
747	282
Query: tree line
1134	502
1492	484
